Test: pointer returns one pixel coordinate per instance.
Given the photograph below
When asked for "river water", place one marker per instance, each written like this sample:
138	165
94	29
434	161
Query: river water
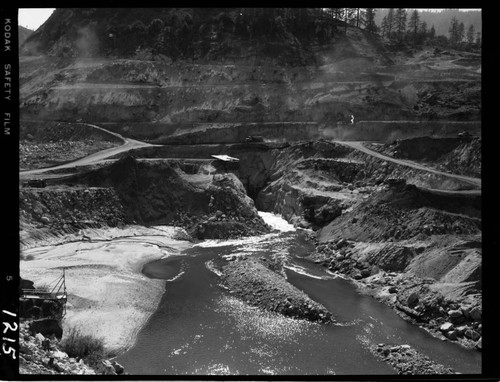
199	328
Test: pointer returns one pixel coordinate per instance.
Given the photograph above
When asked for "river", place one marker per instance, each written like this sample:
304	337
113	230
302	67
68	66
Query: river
199	328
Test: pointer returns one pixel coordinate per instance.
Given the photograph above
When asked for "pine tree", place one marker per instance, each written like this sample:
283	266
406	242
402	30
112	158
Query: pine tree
400	23
454	31
370	25
390	22
478	39
413	25
422	32
432	32
338	13
414	22
349	16
471	34
385	27
360	17
461	32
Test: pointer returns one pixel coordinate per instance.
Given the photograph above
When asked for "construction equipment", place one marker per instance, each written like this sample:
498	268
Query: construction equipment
254	138
49	302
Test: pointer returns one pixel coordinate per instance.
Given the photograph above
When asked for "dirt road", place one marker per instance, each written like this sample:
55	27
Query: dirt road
359	146
128	144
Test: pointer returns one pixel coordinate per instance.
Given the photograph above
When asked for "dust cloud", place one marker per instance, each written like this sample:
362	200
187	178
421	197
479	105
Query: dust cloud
87	42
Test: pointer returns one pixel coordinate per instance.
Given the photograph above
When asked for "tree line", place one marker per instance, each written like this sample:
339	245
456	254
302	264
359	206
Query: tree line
403	26
179	32
406	26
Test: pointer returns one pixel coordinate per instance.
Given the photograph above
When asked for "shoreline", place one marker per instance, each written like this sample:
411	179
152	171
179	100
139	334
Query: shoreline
108	296
370	286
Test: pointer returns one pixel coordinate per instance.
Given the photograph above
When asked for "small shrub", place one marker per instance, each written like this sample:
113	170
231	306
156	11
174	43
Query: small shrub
77	345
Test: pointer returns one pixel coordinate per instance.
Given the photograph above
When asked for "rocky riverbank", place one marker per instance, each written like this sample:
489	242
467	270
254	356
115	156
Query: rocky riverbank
418	251
448	310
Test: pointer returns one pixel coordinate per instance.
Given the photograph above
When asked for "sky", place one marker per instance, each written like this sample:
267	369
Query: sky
32	18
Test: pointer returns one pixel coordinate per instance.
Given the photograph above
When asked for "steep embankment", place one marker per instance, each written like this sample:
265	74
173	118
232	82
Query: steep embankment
457	155
418	251
403	212
313	183
155	193
46	213
253	168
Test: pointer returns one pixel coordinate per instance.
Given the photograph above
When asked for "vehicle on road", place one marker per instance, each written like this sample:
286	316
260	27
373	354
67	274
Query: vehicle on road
465	135
254	138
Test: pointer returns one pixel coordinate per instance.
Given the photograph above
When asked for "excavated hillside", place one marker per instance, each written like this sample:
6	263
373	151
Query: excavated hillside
417	251
286	86
458	155
52	143
312	183
152	193
400	220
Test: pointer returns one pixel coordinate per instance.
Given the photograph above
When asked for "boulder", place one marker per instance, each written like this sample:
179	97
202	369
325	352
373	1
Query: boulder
105	368
393	289
455	313
476	313
59	368
452	335
446	327
472	334
461	330
25	349
39	338
365	273
466	311
119	369
342	243
412	299
59	354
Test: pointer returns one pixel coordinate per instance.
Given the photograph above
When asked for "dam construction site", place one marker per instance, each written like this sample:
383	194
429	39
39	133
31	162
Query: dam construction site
240	203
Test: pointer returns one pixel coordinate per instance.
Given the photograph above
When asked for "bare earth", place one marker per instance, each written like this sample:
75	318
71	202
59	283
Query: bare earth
108	296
